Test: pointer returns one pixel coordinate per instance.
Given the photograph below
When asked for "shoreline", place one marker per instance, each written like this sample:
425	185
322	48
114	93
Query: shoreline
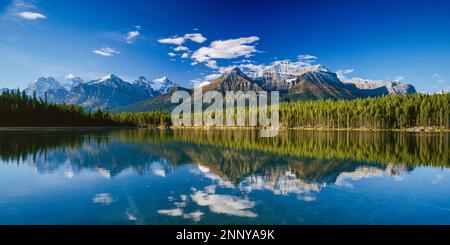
62	127
414	130
204	128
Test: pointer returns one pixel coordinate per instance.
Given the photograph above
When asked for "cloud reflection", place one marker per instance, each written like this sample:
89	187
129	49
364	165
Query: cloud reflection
103	198
368	172
225	204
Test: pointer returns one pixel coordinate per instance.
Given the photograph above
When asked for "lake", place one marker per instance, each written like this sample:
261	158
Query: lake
130	176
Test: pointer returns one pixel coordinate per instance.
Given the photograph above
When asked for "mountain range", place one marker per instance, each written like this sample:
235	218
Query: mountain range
105	93
111	91
293	80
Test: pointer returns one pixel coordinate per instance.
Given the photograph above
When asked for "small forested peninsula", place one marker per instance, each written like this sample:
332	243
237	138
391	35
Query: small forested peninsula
385	112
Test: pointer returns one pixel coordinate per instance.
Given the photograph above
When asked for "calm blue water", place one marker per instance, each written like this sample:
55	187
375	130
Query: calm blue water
93	176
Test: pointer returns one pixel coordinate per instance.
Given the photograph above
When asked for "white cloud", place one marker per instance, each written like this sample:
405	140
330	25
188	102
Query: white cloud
106	51
131	36
211	77
342	74
172	40
181	48
307	58
211	64
21	10
226	49
224	69
399	78
205	81
346	71
245	61
253	67
195	37
171	54
31	15
220	49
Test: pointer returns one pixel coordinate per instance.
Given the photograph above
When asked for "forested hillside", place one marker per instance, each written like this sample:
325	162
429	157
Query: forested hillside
397	111
386	112
17	109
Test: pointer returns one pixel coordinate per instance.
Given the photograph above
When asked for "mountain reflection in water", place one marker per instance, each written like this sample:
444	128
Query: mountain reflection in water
296	163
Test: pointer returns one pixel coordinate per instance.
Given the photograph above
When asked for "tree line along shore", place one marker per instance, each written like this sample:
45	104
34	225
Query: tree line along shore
417	112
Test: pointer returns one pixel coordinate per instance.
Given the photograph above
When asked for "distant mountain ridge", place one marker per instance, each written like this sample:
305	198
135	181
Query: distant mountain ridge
105	93
294	81
47	87
393	87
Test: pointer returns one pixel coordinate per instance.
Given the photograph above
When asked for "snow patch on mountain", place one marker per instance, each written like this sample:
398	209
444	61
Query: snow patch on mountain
71	81
163	85
282	69
42	85
111	80
47	88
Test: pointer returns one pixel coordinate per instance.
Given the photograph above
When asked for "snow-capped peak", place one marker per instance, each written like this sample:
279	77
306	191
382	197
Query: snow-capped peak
284	69
288	69
161	80
70	76
163	84
44	84
109	77
71	81
110	80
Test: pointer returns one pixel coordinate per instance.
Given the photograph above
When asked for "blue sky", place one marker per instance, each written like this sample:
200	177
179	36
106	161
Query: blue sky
380	40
